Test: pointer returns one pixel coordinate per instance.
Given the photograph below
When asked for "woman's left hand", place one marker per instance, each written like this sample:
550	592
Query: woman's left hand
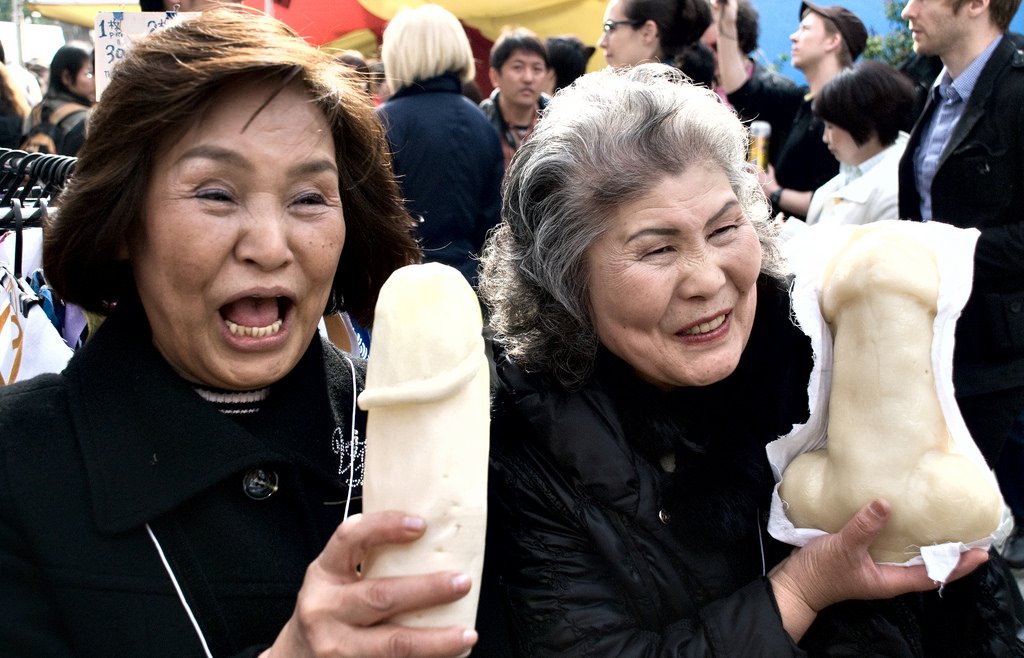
837	567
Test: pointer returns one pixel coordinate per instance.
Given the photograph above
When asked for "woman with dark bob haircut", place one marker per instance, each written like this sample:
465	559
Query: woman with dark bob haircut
187	485
645	357
865	109
869	97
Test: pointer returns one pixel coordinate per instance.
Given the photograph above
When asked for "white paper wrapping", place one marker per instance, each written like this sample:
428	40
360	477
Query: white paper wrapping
809	253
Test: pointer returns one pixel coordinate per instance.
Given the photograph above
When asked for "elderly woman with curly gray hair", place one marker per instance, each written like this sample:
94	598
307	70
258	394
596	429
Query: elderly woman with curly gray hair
645	356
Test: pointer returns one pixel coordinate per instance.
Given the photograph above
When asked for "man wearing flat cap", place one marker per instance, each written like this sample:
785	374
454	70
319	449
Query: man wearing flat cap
827	40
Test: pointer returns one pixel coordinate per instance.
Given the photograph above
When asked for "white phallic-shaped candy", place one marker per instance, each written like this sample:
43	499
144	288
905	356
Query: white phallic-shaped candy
887	436
427	394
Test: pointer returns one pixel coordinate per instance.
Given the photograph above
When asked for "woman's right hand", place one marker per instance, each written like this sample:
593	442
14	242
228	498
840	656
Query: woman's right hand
339	613
731	63
838	567
725	14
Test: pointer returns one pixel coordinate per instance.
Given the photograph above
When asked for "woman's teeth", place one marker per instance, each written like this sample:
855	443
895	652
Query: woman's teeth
254	332
705	327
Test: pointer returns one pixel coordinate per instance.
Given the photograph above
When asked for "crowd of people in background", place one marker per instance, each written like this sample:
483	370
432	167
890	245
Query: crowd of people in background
46	111
630	485
51	99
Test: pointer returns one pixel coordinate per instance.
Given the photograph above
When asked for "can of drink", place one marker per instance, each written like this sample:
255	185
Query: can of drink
760	132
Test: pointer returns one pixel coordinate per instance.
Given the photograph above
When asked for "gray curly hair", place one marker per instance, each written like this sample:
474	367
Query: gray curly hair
602	143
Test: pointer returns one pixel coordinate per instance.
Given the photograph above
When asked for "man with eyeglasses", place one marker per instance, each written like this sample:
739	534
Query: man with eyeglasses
519	68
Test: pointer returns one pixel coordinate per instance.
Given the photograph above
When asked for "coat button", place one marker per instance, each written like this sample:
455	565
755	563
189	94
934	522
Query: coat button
664	516
259	484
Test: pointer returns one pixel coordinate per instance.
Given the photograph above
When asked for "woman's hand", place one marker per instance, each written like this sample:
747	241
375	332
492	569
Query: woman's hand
338	613
837	567
766	179
731	63
725	13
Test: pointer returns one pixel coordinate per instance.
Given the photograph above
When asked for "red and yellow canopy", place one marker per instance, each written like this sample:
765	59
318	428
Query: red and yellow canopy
358	24
328	21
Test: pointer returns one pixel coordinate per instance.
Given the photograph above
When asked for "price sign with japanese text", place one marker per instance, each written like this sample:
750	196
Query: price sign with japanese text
115	32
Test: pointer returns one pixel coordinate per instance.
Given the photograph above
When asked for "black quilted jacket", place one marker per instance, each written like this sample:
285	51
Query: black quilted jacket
601	552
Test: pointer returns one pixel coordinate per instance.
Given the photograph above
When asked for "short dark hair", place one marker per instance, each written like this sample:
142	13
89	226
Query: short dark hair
568	56
697	62
358	67
869	97
515	39
165	85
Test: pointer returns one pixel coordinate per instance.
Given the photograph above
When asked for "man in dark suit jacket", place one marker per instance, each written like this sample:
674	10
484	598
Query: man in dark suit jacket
964	166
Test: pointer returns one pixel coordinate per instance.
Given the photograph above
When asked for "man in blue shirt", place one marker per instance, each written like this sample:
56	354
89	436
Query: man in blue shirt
964	165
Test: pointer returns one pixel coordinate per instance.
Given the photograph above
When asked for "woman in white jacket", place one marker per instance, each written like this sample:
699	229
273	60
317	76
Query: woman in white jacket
864	109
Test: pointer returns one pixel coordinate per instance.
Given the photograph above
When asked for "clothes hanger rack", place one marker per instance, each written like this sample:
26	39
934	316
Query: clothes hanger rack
34	179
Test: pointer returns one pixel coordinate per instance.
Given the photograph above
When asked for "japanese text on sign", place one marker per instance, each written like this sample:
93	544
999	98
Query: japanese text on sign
115	32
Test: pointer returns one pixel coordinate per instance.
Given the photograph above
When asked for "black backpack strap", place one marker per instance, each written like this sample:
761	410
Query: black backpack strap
44	113
74	111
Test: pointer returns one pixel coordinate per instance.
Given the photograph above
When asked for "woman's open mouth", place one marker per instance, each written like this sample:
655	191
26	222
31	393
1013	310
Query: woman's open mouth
255	317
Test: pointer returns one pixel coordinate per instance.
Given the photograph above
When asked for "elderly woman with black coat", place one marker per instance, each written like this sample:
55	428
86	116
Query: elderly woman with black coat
646	356
190	484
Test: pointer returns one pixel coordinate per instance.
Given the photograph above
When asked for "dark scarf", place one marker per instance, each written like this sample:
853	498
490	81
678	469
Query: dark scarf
717	433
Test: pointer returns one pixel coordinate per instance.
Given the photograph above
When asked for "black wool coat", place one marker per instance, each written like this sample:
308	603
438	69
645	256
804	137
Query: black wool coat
980	184
118	441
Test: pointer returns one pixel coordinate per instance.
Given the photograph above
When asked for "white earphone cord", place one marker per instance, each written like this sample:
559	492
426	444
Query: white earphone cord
181	595
352	439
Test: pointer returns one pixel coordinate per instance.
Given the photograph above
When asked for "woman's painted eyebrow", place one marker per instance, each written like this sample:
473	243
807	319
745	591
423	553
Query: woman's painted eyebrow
232	158
216	153
726	207
661	232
